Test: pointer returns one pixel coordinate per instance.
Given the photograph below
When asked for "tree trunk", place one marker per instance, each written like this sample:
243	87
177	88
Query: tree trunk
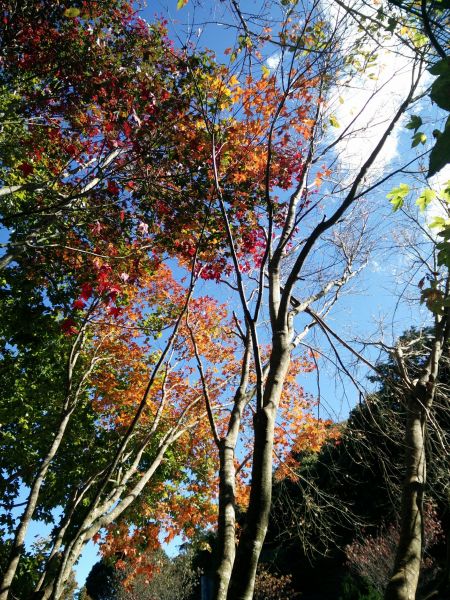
226	530
403	583
226	542
405	578
444	584
257	518
25	520
101	516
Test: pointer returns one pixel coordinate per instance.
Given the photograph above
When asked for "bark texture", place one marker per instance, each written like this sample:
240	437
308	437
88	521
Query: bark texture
257	518
404	581
226	532
405	578
226	544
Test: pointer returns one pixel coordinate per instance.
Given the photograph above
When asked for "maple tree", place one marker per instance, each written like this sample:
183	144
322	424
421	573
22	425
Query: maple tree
74	81
78	162
281	120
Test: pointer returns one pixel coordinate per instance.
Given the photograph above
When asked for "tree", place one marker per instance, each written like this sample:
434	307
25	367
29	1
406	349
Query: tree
348	494
286	116
72	150
432	19
171	579
373	558
101	583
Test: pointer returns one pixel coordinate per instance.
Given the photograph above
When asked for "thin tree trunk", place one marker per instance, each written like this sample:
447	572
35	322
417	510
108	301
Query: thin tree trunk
226	530
25	520
405	577
226	542
69	405
257	518
102	516
66	521
404	581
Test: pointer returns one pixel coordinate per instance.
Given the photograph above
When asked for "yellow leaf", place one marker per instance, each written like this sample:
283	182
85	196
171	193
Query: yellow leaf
333	121
72	12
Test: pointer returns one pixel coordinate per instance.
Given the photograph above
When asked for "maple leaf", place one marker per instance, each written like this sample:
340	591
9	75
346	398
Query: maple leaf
79	304
112	187
127	129
72	149
26	168
86	291
96	228
68	327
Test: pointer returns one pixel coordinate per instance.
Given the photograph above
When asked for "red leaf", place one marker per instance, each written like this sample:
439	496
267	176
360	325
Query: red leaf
68	327
72	149
86	291
79	304
112	187
96	228
26	168
127	129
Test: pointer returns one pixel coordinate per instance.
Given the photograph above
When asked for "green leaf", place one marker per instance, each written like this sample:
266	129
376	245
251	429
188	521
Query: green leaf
443	255
419	39
418	138
265	71
392	23
180	4
425	198
445	193
414	123
440	91
397	196
440	68
437	222
440	154
334	122
71	13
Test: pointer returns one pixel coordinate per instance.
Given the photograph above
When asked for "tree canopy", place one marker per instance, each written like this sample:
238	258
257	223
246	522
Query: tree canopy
178	221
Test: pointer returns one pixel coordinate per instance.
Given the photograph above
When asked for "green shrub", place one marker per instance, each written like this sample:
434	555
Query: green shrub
356	588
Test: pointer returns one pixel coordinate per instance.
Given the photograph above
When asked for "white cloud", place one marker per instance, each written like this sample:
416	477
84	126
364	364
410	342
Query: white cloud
440	179
367	103
274	60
